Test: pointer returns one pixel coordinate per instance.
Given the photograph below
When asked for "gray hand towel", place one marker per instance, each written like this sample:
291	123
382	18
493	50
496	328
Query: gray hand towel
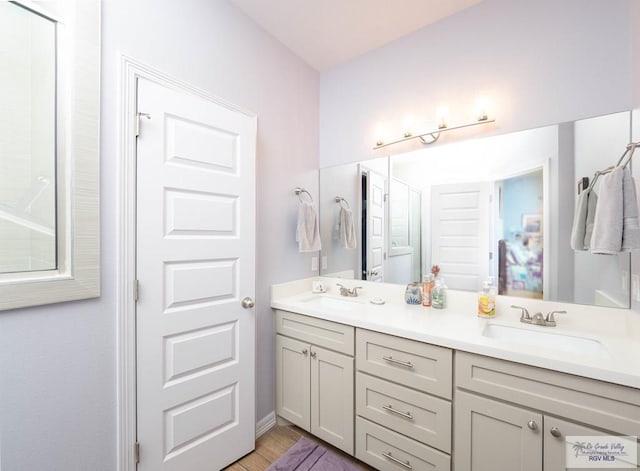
607	225
591	215
579	221
630	225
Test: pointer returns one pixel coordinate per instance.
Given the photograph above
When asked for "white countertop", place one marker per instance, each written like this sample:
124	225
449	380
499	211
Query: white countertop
615	333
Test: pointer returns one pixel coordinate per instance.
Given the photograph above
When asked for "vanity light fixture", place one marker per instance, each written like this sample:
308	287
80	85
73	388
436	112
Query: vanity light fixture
430	137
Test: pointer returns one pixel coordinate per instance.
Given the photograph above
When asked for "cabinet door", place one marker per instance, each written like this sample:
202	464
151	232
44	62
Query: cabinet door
491	435
293	381
556	432
332	390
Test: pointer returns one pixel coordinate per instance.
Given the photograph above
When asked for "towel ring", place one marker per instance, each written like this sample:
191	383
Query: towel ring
299	190
340	200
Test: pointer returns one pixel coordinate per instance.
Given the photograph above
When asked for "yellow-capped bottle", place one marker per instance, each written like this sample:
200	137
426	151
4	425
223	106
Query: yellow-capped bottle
487	300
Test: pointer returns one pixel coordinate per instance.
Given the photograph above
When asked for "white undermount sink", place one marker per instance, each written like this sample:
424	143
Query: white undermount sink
544	338
327	302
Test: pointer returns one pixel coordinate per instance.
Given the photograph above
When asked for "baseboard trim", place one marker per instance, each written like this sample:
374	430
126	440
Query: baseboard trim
265	424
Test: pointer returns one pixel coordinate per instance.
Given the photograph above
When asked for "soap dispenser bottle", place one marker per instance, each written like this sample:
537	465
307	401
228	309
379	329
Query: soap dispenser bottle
487	299
439	294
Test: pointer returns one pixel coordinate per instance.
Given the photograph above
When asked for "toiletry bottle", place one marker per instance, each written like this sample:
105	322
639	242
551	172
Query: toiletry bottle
427	287
487	300
438	294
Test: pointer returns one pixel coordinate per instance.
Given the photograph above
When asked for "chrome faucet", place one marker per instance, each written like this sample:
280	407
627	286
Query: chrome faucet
344	291
538	318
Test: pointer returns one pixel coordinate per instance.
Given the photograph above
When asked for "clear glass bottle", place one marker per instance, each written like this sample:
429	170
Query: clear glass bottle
439	294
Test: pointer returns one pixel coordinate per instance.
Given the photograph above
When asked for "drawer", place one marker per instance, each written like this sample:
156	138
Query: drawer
418	365
603	405
331	335
415	414
389	451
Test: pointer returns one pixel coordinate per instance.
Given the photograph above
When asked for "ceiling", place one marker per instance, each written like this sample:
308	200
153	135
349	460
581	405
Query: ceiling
325	33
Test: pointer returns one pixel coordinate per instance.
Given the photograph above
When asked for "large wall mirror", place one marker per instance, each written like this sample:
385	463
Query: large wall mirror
49	151
500	206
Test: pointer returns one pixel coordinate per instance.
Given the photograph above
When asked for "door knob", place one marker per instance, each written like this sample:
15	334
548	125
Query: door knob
248	303
555	431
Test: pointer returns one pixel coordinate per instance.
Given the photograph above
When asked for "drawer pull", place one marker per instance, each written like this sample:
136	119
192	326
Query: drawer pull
389	456
406	415
555	431
407	364
305	351
532	425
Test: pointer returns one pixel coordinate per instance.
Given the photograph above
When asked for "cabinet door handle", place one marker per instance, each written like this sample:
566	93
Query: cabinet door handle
389	456
407	364
532	425
305	351
313	354
555	431
406	415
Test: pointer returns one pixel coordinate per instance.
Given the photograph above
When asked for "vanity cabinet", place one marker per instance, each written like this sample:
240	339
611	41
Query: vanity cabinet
315	377
403	407
523	426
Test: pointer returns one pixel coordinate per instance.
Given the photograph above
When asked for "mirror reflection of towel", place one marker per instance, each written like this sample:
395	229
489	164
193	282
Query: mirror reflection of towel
607	226
630	225
308	229
347	230
580	221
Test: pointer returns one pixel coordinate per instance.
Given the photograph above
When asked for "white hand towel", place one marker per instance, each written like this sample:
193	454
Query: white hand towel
308	229
591	215
630	224
607	225
580	221
347	229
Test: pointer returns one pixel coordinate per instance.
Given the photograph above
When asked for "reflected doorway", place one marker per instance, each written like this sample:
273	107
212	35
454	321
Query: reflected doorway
521	241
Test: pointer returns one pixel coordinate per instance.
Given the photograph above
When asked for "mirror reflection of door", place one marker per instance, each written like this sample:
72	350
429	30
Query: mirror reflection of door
372	224
459	244
521	258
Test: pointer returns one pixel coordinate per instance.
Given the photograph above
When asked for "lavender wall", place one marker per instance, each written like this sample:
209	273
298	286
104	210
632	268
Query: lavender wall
538	63
57	363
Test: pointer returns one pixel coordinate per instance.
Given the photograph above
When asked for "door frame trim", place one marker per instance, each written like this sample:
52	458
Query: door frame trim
130	71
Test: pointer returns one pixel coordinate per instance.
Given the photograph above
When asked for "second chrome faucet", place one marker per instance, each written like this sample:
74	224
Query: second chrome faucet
344	291
538	318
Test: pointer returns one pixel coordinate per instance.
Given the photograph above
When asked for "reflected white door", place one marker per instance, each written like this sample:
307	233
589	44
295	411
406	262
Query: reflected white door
195	263
376	185
459	236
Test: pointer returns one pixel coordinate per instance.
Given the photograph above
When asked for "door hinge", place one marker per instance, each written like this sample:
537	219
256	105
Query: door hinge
386	197
139	116
136	452
136	290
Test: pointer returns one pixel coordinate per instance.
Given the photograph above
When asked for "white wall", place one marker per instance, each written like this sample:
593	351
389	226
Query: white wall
538	63
57	363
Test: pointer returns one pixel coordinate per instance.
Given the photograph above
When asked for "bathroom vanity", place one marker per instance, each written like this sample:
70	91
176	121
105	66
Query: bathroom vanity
406	387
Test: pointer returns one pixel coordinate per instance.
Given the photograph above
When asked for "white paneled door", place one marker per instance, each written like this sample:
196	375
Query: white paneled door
195	266
376	186
460	242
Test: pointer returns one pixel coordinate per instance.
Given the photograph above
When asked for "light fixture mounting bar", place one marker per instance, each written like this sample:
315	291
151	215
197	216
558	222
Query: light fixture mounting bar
435	133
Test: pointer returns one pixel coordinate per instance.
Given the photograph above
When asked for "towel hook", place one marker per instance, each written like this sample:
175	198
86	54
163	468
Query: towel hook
340	200
299	190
